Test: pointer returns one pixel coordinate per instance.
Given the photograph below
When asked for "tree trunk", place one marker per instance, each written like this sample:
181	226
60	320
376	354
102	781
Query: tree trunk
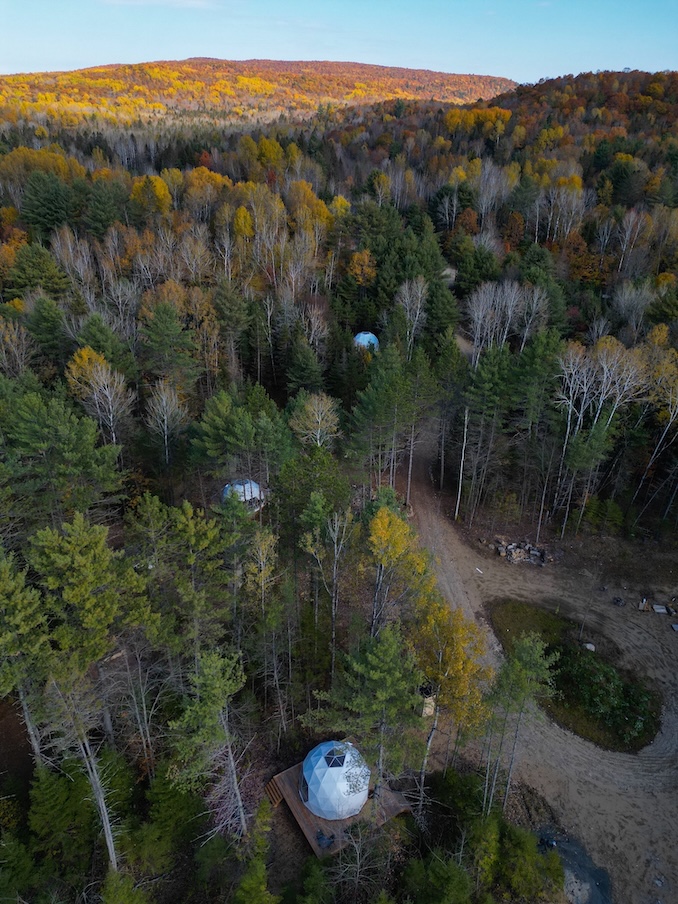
461	464
31	728
424	762
233	774
443	434
513	758
409	465
92	769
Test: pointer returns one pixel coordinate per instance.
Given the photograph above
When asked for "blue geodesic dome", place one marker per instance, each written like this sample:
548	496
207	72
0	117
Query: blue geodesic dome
334	780
367	340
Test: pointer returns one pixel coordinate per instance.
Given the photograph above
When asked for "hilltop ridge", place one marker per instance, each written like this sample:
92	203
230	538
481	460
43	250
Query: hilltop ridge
225	90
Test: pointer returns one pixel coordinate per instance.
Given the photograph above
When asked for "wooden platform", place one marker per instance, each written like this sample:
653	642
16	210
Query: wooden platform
285	786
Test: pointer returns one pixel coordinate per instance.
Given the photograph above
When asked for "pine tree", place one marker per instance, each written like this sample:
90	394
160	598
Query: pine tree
204	741
375	701
35	268
24	643
47	203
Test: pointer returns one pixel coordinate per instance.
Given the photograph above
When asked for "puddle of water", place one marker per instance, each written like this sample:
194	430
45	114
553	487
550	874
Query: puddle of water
585	883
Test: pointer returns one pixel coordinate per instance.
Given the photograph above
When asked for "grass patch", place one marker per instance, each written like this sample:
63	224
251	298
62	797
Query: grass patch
594	699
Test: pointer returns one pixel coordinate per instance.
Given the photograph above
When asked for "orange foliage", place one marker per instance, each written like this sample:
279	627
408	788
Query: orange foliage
227	90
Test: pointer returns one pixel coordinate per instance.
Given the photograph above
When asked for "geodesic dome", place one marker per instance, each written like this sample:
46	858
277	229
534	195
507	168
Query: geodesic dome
367	340
334	780
247	491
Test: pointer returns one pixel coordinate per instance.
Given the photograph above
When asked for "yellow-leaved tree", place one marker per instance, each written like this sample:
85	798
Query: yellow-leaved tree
402	568
80	370
150	198
450	652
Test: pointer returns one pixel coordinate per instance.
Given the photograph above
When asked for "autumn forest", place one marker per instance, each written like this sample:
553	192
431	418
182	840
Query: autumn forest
187	252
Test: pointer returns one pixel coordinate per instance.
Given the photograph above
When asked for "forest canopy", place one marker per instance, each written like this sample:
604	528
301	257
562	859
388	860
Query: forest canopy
178	307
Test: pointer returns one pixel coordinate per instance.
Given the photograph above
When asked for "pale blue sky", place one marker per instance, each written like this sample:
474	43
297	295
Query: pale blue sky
521	39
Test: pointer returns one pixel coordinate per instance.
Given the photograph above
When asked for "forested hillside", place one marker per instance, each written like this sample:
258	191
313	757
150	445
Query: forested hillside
222	91
178	311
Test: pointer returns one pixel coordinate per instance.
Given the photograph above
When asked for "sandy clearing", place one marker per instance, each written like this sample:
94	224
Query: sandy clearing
624	808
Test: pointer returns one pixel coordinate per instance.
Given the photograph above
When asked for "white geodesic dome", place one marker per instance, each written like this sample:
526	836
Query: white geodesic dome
334	780
248	491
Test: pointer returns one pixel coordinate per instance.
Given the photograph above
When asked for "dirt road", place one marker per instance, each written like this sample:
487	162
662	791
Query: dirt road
624	808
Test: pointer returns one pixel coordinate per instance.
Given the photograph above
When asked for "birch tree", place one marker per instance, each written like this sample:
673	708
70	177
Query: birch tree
328	547
411	298
73	715
166	417
108	400
315	421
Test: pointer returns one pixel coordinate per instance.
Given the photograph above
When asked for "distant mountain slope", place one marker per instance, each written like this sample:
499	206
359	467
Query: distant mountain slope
251	90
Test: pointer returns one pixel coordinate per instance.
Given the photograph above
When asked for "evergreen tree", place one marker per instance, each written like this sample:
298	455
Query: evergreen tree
382	415
24	643
204	740
304	370
105	205
375	701
90	592
46	323
54	465
47	203
35	268
96	334
169	351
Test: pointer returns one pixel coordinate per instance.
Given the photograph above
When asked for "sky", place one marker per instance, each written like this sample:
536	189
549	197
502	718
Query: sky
525	40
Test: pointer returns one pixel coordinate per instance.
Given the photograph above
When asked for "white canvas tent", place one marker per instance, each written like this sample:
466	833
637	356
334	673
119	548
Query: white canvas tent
334	780
247	491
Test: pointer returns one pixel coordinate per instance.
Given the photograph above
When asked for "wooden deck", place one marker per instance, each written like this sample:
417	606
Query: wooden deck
285	786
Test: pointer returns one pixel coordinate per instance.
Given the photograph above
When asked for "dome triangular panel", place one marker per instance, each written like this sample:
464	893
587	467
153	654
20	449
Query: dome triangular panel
334	780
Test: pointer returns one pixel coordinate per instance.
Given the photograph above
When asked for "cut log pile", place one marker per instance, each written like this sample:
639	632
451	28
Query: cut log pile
520	552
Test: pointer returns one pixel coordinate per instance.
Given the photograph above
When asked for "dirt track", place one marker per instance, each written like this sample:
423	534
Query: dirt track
624	808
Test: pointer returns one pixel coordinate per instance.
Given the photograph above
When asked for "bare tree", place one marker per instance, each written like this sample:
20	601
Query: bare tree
598	328
73	712
493	188
108	400
448	208
194	253
331	543
123	298
315	327
632	227
604	234
76	257
225	246
533	313
17	348
497	310
510	303
166	416
411	297
140	687
360	865
629	304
